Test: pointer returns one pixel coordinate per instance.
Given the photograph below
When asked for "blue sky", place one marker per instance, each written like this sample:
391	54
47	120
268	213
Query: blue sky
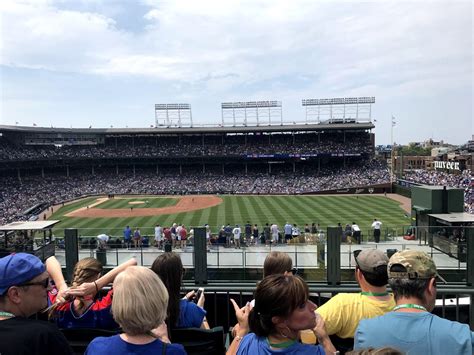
107	62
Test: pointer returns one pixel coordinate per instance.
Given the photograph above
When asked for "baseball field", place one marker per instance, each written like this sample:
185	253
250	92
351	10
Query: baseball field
93	216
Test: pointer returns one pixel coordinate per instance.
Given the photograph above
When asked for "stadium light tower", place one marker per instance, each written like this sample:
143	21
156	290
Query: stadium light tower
252	112
169	115
339	109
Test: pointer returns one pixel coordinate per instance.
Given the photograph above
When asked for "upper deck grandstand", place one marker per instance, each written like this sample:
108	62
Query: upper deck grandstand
57	164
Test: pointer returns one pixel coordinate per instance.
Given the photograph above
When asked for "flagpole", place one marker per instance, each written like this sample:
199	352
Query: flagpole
392	162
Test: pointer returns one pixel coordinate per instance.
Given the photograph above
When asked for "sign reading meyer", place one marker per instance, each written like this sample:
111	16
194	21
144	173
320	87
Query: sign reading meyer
447	165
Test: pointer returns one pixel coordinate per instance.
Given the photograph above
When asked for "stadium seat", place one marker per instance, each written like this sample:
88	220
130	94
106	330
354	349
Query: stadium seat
197	341
79	338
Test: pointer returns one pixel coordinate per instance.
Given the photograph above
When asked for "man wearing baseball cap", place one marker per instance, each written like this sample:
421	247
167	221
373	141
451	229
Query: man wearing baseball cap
411	327
24	286
343	312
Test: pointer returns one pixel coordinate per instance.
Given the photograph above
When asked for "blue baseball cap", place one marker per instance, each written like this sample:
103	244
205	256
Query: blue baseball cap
16	269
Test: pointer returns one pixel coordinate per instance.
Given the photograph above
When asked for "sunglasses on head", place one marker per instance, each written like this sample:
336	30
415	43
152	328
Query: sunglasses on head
356	254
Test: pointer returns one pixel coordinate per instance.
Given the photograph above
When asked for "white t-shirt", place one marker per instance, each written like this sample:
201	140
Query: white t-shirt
355	228
158	232
376	224
236	232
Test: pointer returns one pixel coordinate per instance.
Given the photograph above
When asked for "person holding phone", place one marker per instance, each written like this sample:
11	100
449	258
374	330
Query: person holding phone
182	312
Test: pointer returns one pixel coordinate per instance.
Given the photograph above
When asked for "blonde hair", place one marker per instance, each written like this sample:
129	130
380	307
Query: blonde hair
140	300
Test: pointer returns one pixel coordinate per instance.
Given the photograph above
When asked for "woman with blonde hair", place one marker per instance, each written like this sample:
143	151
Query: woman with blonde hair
87	310
139	307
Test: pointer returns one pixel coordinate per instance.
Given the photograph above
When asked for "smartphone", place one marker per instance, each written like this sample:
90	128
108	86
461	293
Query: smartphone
198	294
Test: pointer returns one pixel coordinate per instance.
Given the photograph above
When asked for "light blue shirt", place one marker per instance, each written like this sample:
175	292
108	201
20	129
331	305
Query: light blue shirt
415	333
252	344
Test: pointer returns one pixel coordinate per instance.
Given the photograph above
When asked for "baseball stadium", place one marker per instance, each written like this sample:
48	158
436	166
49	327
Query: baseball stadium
225	197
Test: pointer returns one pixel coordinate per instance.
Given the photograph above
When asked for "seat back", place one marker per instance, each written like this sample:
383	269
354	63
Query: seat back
198	341
79	338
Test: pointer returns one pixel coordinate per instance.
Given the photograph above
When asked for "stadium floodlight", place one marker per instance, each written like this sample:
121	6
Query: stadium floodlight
178	115
339	101
347	109
250	104
252	112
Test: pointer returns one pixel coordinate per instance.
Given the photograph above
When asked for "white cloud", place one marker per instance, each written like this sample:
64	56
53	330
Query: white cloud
251	48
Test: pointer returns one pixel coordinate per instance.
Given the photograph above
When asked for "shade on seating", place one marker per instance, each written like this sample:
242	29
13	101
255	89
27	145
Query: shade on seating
197	341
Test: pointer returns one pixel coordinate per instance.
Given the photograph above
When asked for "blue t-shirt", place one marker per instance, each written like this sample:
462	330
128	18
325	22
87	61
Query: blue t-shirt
415	333
252	344
190	315
117	346
127	234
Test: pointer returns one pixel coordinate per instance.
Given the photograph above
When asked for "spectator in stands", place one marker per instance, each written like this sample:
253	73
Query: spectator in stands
24	285
266	234
127	236
159	236
137	238
282	308
183	235
254	234
411	327
236	235
295	233
228	234
356	233
87	311
182	312
248	232
287	229
343	311
376	225
139	306
276	263
275	233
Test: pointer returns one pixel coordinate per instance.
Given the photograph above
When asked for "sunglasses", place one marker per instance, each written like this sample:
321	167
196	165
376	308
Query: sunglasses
45	283
294	271
356	254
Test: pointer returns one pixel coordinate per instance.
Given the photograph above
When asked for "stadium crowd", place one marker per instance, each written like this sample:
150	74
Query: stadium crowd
17	196
465	181
282	318
9	152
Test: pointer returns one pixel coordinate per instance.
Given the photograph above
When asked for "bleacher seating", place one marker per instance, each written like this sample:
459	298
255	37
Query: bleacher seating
197	341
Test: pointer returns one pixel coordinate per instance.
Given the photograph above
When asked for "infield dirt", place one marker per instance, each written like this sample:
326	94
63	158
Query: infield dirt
185	204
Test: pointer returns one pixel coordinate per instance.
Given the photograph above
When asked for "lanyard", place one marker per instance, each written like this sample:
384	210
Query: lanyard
283	345
375	294
410	305
6	314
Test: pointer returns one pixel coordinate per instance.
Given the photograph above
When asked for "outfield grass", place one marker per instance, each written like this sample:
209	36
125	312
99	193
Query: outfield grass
325	210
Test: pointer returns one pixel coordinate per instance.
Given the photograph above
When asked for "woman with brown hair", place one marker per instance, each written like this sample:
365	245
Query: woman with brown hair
282	309
87	311
182	313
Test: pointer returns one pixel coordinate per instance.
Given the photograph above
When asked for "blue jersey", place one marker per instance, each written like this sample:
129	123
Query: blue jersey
117	346
252	344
